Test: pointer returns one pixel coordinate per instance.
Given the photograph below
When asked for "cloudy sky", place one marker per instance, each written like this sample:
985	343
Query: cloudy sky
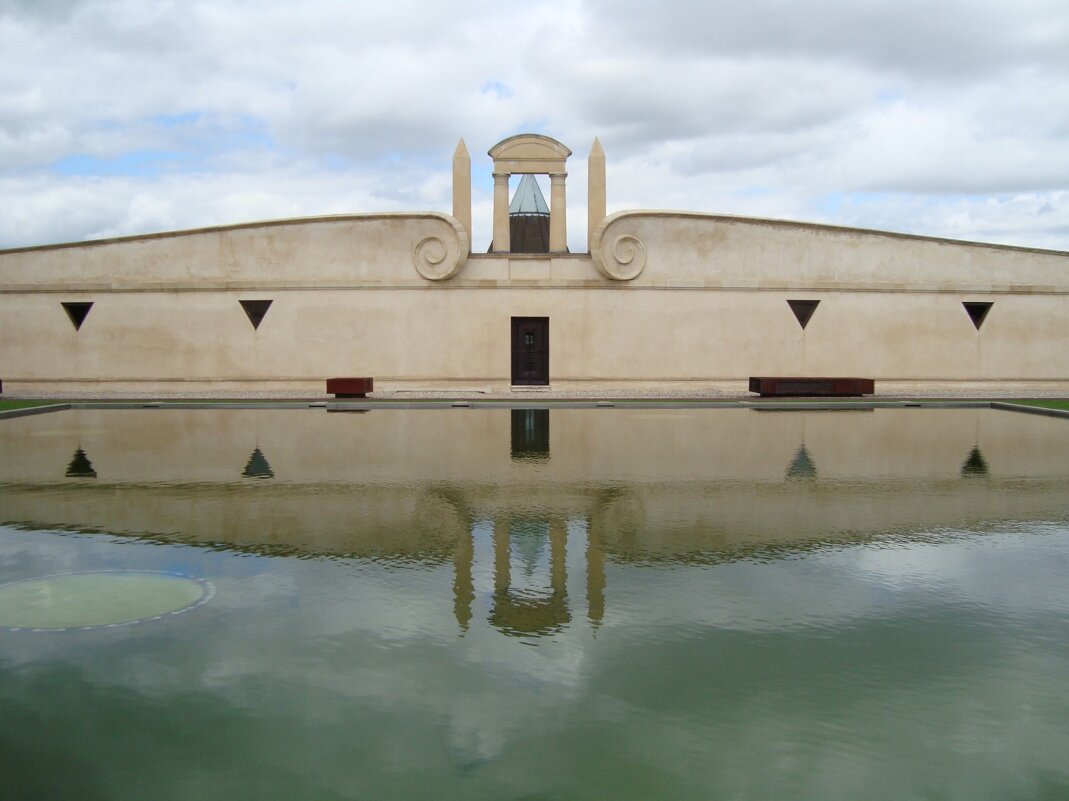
939	117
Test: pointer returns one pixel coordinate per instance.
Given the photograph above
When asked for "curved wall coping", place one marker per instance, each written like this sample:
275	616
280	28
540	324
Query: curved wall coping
655	213
214	229
808	226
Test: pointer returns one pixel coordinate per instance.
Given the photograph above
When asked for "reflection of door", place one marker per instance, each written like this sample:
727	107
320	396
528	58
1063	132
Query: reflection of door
530	434
530	351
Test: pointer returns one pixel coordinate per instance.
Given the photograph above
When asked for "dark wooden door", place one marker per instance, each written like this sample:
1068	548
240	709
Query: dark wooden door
530	351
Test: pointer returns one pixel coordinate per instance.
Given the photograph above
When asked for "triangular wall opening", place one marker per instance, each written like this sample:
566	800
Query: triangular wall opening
255	310
77	311
977	312
803	310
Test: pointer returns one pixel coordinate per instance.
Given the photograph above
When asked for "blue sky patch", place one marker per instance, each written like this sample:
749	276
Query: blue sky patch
830	204
135	163
186	143
753	191
177	120
497	89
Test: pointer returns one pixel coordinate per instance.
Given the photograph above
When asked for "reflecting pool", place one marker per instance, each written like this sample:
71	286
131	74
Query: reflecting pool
521	604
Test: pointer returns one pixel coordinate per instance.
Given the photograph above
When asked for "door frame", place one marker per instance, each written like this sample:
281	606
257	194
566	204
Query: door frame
516	348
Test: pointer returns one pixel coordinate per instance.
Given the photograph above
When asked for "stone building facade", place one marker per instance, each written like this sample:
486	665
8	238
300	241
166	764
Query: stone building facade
660	299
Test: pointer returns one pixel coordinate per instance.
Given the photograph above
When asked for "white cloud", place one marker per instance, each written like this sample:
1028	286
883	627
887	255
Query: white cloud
124	117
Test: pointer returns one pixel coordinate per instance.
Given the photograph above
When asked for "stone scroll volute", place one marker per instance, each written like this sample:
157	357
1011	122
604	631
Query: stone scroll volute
617	253
440	255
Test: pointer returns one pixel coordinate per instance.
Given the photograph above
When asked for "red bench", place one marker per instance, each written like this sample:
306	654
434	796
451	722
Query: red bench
350	387
786	386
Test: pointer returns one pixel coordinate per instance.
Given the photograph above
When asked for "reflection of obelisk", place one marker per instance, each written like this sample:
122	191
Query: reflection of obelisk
463	584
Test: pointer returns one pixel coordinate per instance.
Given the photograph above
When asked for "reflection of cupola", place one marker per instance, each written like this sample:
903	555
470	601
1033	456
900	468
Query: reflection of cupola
530	591
530	617
530	613
529	218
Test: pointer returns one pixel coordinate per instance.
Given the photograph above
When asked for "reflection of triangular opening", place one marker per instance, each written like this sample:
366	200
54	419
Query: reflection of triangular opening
802	466
803	310
80	466
255	310
975	465
257	466
977	312
77	312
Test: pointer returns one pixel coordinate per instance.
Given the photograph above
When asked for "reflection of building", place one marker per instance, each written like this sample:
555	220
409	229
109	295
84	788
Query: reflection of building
655	296
527	510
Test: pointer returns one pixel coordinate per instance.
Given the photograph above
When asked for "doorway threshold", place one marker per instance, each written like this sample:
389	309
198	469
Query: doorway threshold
530	388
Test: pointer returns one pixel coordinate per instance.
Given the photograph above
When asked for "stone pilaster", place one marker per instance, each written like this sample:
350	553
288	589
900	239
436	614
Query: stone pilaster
502	242
558	214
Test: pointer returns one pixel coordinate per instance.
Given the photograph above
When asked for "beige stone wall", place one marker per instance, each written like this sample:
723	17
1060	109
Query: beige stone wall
323	252
399	298
716	251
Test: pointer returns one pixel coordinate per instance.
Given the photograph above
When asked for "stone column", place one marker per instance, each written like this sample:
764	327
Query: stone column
502	243
595	191
558	214
462	187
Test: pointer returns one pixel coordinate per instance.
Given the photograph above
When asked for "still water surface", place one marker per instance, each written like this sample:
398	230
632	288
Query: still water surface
583	604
